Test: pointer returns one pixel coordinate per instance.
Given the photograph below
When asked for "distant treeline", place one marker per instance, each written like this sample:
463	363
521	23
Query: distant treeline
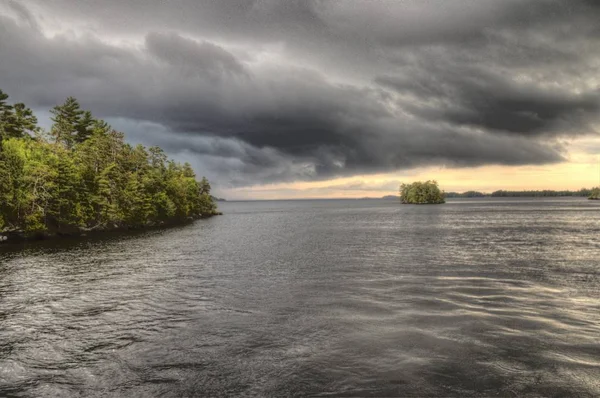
82	176
583	192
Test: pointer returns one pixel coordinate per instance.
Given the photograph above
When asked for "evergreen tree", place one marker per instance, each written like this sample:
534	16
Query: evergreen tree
67	120
85	127
6	112
24	122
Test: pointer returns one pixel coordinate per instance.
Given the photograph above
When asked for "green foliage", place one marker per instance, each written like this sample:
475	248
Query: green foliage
595	194
87	177
419	192
71	124
16	121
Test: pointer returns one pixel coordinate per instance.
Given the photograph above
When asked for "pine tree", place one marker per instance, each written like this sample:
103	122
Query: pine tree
25	121
67	120
85	127
6	115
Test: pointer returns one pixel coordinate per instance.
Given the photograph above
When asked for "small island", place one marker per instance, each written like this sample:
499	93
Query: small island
82	177
421	193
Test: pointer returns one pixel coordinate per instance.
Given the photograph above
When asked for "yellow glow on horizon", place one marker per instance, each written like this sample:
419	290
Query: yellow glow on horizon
582	171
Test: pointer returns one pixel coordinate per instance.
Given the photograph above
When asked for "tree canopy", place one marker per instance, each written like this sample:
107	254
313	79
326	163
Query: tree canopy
595	194
427	192
583	192
82	175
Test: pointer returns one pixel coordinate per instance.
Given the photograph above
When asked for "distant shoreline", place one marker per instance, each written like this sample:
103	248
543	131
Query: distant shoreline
547	193
387	197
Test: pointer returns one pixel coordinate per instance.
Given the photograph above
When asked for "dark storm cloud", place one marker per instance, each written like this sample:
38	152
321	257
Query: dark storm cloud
267	91
482	99
204	59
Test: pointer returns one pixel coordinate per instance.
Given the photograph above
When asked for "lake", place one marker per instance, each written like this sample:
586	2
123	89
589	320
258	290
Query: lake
477	297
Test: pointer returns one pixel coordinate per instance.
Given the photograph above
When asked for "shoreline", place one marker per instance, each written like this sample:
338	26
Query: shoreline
20	237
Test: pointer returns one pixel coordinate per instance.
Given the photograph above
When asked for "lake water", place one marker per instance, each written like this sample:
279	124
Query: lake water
323	298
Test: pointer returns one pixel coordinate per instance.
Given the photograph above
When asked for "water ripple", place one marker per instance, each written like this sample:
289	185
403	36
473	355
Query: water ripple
323	298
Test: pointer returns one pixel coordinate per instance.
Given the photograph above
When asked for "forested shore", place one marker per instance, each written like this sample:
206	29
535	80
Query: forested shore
583	192
429	193
81	177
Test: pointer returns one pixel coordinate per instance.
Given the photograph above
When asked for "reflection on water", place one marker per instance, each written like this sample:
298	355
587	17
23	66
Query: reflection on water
351	298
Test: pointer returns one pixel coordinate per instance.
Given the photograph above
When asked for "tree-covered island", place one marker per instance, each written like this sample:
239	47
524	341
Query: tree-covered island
419	193
595	194
82	176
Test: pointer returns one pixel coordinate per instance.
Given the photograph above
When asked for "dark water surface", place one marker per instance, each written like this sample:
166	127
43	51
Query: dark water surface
294	298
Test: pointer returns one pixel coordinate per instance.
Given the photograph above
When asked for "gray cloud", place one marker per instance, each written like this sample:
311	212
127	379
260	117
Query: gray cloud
204	59
268	91
480	98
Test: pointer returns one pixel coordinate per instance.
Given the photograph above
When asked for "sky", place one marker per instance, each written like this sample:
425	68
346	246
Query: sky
320	98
